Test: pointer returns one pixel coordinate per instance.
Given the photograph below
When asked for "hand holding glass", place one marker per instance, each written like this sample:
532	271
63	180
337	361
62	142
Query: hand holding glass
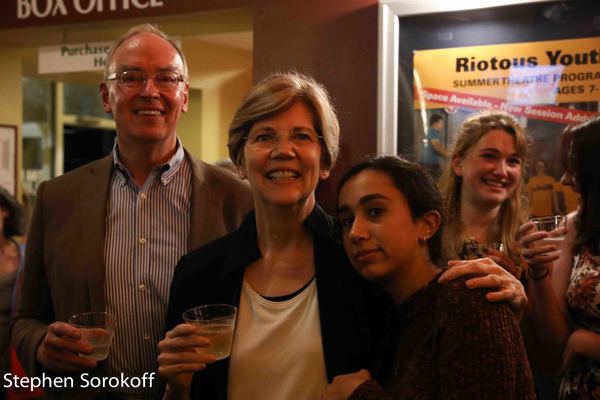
217	323
97	329
554	225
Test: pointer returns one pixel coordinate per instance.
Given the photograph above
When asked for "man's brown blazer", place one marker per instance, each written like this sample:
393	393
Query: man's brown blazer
64	263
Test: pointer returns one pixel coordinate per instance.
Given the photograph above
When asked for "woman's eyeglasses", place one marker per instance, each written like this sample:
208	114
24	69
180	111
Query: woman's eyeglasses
268	139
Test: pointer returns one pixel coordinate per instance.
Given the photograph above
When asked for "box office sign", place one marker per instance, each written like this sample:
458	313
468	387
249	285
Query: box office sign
535	79
72	57
26	13
22	13
52	8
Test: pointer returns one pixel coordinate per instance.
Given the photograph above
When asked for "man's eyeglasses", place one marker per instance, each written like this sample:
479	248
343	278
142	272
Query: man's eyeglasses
136	80
268	139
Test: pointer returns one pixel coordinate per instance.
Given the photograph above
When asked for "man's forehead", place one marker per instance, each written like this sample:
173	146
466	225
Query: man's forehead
144	46
147	42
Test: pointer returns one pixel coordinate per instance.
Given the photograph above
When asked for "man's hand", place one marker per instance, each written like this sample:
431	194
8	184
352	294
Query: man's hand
58	351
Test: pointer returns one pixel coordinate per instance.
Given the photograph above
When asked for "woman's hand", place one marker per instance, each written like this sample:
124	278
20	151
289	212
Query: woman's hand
536	254
490	275
179	356
343	385
503	260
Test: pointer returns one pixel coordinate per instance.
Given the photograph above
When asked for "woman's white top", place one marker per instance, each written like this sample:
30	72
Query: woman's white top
277	351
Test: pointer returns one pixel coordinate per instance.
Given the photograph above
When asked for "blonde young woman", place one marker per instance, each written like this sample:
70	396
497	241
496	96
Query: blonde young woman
483	186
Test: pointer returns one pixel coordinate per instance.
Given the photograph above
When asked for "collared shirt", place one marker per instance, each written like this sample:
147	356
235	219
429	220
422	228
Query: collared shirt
146	234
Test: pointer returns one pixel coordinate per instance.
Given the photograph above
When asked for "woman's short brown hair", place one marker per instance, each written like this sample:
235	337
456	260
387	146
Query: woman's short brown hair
277	93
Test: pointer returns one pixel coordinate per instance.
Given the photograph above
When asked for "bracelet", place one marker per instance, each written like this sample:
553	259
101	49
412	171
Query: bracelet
538	277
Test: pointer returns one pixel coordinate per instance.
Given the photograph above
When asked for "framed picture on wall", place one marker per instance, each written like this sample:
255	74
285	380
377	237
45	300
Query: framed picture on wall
8	158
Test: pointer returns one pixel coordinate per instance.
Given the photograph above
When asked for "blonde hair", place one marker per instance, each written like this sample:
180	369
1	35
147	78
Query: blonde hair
276	94
512	212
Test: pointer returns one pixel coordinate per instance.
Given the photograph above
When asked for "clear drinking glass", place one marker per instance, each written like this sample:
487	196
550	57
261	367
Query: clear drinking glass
553	225
97	329
217	323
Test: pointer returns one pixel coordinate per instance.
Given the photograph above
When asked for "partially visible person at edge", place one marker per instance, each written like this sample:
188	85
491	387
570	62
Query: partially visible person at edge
11	225
304	315
564	280
452	344
483	189
107	236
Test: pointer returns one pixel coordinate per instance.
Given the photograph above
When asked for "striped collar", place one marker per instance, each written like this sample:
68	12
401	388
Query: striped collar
164	171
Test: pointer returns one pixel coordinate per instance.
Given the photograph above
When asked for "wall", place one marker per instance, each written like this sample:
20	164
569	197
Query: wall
188	128
11	100
223	77
336	42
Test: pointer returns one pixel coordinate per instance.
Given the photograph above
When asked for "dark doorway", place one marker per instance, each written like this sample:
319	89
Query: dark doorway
84	144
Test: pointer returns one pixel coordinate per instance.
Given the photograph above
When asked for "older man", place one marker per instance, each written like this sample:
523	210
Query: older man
107	236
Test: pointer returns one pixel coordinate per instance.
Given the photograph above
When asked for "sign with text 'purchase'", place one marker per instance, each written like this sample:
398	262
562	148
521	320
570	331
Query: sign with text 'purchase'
72	57
76	57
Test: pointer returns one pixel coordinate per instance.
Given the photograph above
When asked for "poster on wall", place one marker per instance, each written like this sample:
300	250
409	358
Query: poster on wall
546	85
8	155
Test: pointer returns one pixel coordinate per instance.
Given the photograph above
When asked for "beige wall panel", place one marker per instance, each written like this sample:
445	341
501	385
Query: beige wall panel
11	98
